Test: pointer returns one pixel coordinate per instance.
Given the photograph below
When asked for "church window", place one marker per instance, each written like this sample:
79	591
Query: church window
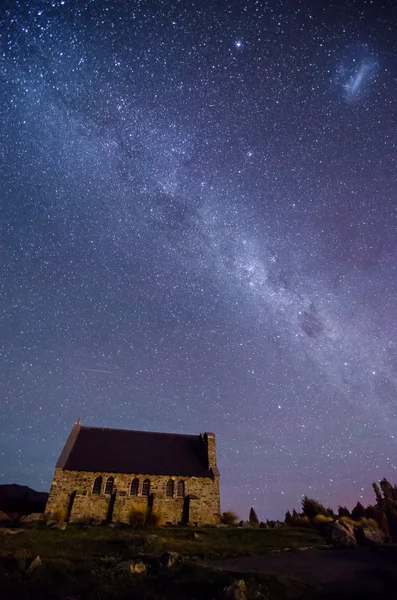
181	489
109	485
97	486
134	487
170	489
146	487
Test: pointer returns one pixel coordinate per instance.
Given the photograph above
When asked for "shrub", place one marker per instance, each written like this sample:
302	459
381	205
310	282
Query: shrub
229	518
301	522
142	517
321	519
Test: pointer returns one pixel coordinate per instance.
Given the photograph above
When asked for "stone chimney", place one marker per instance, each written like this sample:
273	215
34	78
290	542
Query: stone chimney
209	448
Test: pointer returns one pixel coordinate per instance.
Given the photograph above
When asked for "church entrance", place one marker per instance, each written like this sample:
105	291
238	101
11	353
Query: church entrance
185	511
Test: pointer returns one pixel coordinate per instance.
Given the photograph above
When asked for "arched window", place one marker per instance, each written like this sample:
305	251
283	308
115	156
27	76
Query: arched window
146	487
134	487
181	489
109	485
96	489
170	489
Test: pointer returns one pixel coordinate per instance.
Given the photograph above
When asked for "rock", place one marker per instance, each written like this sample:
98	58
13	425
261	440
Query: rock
62	525
9	531
347	525
195	535
51	523
236	591
221	525
32	518
138	566
369	536
340	537
36	563
152	539
169	559
4	518
133	566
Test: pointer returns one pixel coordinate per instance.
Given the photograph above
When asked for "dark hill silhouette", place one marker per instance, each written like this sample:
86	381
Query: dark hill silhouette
21	500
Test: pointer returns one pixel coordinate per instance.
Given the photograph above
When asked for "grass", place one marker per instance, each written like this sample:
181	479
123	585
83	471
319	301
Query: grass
80	562
78	543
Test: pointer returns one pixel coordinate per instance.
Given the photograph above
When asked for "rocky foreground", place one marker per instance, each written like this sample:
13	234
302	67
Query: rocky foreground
40	559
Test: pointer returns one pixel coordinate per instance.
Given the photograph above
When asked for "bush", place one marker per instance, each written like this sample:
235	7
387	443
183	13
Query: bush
301	522
321	519
229	518
142	517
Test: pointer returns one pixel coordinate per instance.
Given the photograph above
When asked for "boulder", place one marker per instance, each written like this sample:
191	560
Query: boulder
4	518
340	537
133	566
36	563
169	559
347	525
33	518
137	566
51	523
369	536
236	591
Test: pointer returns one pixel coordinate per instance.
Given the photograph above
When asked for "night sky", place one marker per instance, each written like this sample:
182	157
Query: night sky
198	233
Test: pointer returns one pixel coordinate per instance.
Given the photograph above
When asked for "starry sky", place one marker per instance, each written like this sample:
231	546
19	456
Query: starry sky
198	217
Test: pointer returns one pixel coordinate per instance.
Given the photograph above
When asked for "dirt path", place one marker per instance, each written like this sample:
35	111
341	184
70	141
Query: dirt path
361	571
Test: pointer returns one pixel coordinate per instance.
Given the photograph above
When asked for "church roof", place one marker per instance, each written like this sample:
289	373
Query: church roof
137	452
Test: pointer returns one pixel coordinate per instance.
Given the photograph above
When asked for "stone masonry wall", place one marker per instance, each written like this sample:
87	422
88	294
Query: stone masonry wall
202	494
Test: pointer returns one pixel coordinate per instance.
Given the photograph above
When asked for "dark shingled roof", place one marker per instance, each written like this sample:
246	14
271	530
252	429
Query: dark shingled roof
124	451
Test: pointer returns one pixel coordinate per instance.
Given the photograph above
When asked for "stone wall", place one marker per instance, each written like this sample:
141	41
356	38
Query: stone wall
201	504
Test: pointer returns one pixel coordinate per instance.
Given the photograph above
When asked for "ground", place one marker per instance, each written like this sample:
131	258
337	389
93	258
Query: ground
81	563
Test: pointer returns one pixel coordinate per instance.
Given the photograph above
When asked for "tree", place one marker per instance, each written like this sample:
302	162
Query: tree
358	512
330	513
378	494
253	519
388	490
288	518
311	508
295	515
378	514
343	511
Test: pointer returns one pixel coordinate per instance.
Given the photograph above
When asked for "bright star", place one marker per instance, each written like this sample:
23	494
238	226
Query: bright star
238	43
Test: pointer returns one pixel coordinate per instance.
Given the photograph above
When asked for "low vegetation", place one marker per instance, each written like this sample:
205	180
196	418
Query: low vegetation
84	562
382	515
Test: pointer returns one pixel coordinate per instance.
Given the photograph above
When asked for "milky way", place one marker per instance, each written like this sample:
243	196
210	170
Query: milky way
198	233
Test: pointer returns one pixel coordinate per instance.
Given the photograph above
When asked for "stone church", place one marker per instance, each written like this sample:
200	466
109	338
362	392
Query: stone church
103	474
